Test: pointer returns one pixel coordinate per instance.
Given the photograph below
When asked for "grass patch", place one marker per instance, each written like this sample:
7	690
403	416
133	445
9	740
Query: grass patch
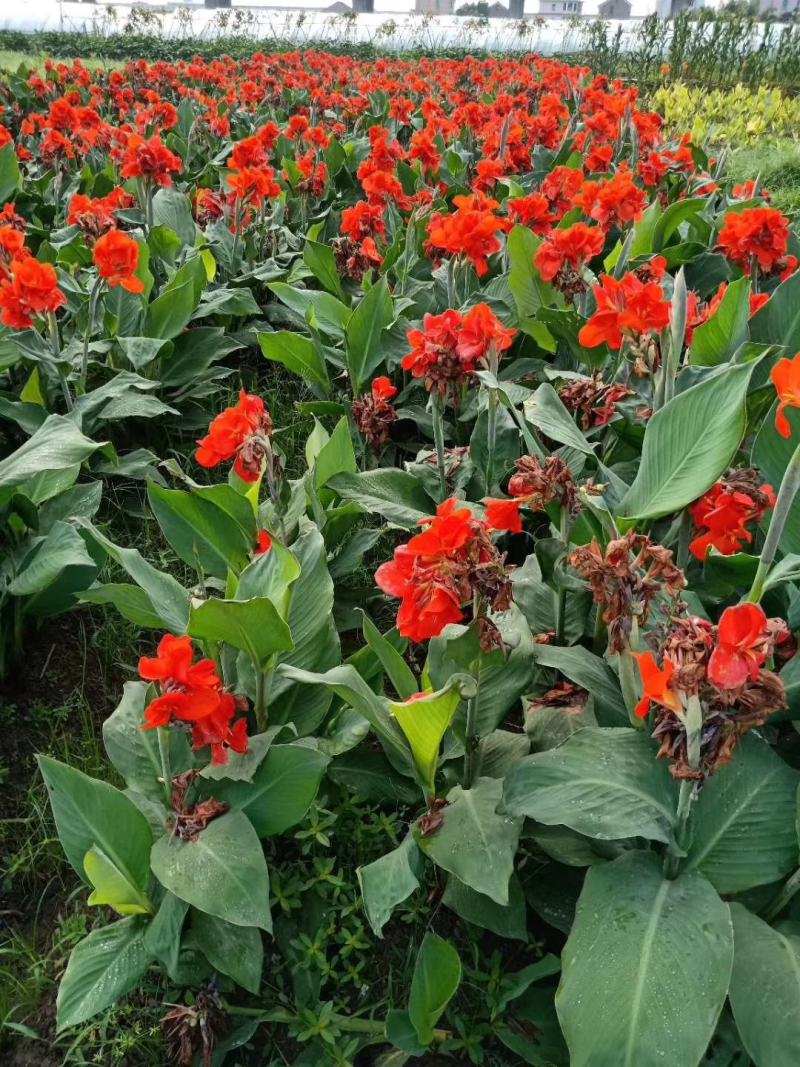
777	165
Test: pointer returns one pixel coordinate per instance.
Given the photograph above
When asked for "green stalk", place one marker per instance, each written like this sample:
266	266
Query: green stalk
341	1022
261	699
693	724
437	408
789	889
561	592
93	298
55	344
790	483
472	752
629	686
166	773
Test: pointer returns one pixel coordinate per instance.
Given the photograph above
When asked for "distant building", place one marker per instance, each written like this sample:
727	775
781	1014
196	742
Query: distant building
434	7
779	7
516	9
554	9
614	9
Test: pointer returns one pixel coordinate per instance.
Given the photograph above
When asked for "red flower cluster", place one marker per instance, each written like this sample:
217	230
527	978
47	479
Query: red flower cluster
374	413
627	308
757	236
743	643
116	256
786	379
724	511
31	290
149	159
443	569
97	216
471	231
192	693
564	253
240	432
450	346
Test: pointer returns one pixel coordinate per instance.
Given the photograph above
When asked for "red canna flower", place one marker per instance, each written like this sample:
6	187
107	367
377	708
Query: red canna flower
567	251
382	389
150	159
656	685
534	211
785	377
757	234
614	202
117	256
190	690
31	290
264	543
238	432
481	334
725	510
626	308
743	642
471	231
253	185
504	515
433	353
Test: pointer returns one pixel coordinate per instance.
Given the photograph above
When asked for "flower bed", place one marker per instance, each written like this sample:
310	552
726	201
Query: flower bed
549	362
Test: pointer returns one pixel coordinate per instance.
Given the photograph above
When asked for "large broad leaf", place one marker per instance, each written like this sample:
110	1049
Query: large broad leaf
474	842
205	536
363	334
765	988
778	322
9	172
320	260
397	670
588	671
424	720
504	920
646	967
62	548
57	445
717	339
437	975
330	314
546	411
222	872
168	598
281	791
529	291
605	783
171	208
298	354
134	751
253	626
88	814
688	444
396	495
234	950
388	881
103	967
336	456
744	825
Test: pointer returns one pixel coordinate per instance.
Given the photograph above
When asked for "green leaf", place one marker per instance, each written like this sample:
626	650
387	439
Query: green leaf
169	599
9	172
171	208
546	411
778	321
111	886
504	920
388	881
771	454
63	547
91	813
396	495
586	670
281	791
222	872
688	444
603	782
298	354
675	215
162	938
529	291
336	456
130	601
474	842
647	963
397	670
765	988
331	314
744	833
203	535
57	445
717	339
234	950
424	721
437	975
363	334
103	967
321	262
253	626
134	751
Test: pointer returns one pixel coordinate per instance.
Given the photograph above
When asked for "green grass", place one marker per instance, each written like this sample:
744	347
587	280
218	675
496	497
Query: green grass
777	164
12	60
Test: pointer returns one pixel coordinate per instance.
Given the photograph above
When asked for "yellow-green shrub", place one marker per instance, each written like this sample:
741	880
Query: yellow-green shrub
736	116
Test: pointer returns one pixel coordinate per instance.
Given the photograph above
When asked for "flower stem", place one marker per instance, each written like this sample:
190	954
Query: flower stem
261	699
561	592
790	483
166	773
55	344
693	724
789	889
93	298
437	407
629	686
472	741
